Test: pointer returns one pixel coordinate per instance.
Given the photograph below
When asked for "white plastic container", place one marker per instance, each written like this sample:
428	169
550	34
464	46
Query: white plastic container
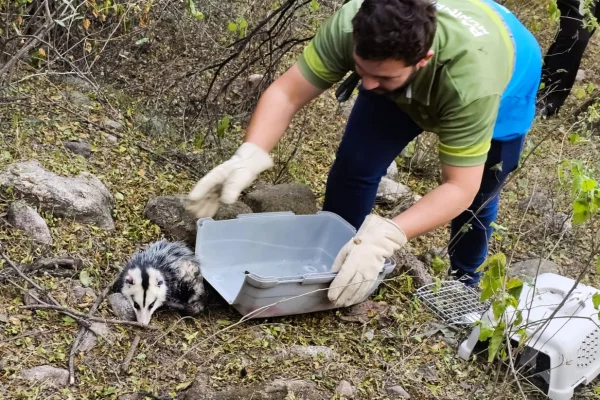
274	264
565	352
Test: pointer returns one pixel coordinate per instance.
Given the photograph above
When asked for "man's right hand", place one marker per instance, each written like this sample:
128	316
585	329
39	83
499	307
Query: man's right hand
225	183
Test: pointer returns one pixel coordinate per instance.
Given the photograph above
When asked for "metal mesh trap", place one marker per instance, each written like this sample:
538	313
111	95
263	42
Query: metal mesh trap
453	302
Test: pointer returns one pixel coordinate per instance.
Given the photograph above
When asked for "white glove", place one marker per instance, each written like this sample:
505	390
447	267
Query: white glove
225	182
361	260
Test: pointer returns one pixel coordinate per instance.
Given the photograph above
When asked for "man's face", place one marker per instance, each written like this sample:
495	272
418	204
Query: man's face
387	76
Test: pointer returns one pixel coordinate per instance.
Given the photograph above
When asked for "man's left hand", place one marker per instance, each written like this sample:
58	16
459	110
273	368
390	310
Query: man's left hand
360	261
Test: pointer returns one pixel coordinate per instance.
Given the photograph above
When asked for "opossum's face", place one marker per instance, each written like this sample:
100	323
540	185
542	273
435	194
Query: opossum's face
146	291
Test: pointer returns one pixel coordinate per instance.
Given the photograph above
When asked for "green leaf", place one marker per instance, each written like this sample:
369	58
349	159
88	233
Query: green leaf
193	12
110	390
119	196
498	307
588	184
518	318
183	386
596	300
581	211
314	5
232	26
84	278
580	93
223	322
438	264
141	356
574	138
495	342
223	125
590	88
68	320
514	287
141	41
485	332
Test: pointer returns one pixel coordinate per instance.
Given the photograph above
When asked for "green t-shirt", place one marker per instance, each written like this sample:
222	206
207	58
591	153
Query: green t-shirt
456	95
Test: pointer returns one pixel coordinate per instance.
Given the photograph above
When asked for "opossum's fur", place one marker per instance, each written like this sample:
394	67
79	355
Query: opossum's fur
165	274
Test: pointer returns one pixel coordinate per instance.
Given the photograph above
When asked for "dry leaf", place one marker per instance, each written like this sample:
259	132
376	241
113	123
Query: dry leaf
41	52
86	24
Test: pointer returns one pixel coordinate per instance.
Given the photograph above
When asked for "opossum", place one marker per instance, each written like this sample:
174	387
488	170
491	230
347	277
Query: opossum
165	274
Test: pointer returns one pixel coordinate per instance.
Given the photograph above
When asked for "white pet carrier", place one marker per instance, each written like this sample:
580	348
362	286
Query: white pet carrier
560	353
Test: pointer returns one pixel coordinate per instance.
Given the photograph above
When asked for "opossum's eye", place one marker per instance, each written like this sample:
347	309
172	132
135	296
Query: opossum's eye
129	281
151	305
136	305
160	283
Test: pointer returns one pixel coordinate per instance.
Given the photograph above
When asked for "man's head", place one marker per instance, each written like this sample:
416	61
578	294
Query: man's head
393	40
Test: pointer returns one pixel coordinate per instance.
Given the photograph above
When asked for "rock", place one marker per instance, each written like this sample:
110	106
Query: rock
153	125
390	191
294	197
404	204
538	202
121	307
80	148
30	297
85	294
392	171
170	214
90	338
111	124
364	312
397	392
580	75
77	82
25	218
407	262
47	374
280	389
77	98
346	389
370	335
83	198
528	269
254	80
231	211
558	223
309	352
3	318
110	138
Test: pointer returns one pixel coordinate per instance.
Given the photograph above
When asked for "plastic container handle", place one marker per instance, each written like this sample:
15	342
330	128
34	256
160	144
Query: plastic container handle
266	214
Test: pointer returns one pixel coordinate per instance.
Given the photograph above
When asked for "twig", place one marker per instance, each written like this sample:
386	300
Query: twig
65	310
130	353
82	331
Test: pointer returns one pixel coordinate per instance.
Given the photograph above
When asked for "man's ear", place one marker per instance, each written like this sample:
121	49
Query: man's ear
425	59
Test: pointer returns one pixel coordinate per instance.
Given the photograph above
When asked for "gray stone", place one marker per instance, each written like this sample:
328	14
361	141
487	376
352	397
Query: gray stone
370	335
294	197
392	171
56	377
83	198
254	80
558	223
309	352
580	75
4	318
529	268
77	82
80	148
30	297
231	211
170	214
90	337
80	292
407	262
26	219
110	138
153	125
397	392
77	98
111	124
538	202
346	389
121	307
390	192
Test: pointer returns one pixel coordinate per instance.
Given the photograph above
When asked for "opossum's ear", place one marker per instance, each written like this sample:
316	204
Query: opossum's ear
129	279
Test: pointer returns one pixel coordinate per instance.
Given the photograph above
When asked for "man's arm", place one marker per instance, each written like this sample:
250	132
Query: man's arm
277	106
444	203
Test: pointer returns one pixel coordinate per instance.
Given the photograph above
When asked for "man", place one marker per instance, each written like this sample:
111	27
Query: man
466	70
563	58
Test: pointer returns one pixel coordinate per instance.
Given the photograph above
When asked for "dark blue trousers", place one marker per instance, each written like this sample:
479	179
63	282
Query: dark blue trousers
375	135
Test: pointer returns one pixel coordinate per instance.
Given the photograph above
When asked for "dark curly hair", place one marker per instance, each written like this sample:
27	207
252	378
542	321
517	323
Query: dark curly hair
394	29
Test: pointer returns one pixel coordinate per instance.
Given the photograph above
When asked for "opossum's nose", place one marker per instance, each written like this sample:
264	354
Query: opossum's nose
146	315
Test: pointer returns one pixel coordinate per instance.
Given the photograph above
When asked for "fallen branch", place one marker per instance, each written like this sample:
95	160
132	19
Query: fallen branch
82	331
52	266
130	353
70	312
